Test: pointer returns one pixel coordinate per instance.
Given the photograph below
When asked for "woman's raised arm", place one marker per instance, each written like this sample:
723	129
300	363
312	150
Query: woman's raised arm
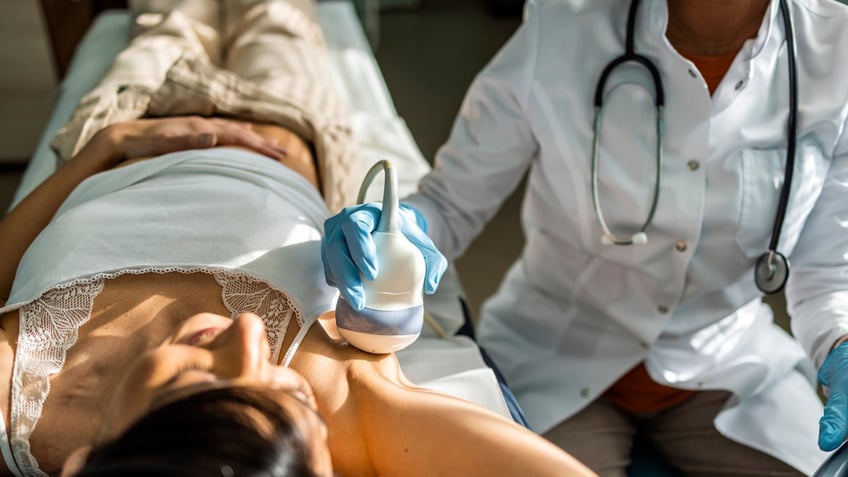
23	223
418	433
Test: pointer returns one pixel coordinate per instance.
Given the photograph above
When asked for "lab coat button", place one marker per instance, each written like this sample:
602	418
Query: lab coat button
692	73
739	85
584	393
693	165
680	245
662	309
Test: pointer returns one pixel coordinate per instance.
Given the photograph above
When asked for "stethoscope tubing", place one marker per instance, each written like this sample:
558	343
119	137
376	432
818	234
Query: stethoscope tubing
791	128
629	56
772	268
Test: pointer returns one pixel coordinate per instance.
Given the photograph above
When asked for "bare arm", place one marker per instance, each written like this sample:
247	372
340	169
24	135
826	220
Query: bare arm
412	432
20	226
117	143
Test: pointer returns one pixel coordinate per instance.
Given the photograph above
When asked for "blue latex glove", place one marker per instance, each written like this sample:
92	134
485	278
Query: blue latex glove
833	426
347	249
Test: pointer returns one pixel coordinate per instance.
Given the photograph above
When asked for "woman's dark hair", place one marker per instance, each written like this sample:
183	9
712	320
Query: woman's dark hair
232	431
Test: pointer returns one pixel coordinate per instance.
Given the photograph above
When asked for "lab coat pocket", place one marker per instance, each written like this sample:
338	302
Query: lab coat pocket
763	174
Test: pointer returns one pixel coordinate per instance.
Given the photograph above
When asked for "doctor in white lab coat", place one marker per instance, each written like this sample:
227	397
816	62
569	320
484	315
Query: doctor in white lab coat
600	340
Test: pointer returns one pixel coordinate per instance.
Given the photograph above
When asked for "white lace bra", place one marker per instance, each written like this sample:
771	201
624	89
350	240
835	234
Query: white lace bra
49	326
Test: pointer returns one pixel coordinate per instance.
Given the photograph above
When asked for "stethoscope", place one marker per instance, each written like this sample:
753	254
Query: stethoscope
772	268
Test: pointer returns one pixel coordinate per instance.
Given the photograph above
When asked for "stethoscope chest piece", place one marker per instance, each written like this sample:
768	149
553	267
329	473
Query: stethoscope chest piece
771	272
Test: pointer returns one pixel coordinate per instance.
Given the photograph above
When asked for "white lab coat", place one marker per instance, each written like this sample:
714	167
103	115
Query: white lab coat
573	315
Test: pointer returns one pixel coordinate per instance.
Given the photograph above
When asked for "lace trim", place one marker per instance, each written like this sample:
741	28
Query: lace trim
242	293
49	328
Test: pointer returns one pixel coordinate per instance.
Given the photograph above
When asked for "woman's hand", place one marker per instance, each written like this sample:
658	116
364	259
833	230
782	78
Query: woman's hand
144	138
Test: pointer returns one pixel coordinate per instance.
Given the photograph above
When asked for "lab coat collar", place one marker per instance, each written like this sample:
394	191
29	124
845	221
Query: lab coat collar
765	35
656	18
766	43
656	21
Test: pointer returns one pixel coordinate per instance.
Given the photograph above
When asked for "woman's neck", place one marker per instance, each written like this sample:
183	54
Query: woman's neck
713	27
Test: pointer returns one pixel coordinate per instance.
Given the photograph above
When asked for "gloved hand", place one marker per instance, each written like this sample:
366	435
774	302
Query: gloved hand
833	426
347	249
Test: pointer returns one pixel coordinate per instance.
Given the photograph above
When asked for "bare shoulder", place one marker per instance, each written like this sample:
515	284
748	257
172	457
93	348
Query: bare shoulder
399	429
414	432
8	340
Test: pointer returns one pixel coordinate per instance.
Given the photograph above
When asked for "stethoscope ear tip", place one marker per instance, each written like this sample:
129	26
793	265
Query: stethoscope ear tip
639	238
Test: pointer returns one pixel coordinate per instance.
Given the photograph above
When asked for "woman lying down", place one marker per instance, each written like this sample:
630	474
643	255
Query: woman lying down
165	305
171	319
